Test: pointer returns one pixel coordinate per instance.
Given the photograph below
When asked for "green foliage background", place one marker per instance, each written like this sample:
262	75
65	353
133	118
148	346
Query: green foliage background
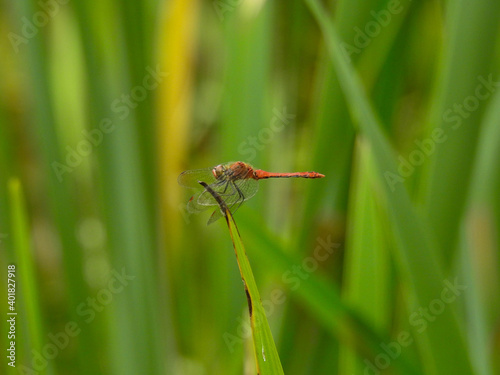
104	103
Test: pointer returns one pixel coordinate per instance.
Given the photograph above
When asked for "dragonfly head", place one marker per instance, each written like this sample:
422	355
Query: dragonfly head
219	170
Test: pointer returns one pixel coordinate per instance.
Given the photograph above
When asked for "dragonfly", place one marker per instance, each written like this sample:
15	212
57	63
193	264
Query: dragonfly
234	182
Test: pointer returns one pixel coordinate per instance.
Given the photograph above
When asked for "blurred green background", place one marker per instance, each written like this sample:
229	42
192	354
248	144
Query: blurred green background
389	265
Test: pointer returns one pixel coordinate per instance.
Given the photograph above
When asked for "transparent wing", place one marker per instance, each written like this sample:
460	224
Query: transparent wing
201	201
233	192
236	191
190	178
221	187
216	215
248	187
240	191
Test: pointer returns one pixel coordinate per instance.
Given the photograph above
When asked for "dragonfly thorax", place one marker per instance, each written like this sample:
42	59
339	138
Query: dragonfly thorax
233	171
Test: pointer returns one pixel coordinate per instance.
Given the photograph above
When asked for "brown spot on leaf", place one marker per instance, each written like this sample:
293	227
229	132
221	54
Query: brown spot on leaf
249	299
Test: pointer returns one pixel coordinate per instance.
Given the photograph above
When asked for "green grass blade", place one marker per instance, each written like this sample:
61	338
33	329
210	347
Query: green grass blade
484	183
243	103
25	276
415	252
480	245
321	298
61	198
367	276
467	64
266	355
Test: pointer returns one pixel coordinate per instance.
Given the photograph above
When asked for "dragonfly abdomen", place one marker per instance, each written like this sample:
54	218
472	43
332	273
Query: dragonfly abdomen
259	174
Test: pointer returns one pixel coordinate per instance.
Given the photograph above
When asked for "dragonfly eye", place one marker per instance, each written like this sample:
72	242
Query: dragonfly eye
218	171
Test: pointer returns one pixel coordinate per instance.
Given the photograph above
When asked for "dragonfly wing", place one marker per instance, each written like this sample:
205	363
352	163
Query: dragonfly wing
235	191
204	198
231	196
242	190
216	215
232	192
200	202
190	178
248	187
235	202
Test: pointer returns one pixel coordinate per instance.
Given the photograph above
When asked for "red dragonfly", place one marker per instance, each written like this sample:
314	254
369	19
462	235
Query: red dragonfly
234	182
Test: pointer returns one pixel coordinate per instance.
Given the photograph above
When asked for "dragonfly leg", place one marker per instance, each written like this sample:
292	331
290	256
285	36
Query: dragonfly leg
227	185
240	200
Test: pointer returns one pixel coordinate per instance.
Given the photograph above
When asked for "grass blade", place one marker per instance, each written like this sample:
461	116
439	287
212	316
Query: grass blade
321	299
25	276
367	277
266	355
480	245
415	253
467	64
